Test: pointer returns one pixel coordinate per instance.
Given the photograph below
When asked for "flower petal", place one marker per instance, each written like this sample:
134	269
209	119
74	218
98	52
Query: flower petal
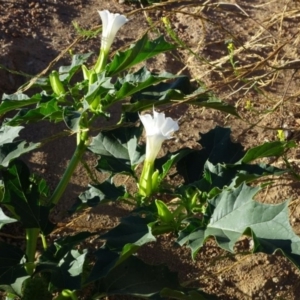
169	127
158	128
111	23
104	17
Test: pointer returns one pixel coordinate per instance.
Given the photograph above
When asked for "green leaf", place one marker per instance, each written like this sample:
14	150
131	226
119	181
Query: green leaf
106	260
126	238
67	72
174	90
4	219
221	162
136	82
46	110
204	98
113	165
158	94
193	237
68	272
276	148
165	163
72	119
132	230
14	101
119	149
236	213
100	88
12	260
220	175
217	147
136	278
141	51
99	194
63	262
23	198
247	173
8	133
10	150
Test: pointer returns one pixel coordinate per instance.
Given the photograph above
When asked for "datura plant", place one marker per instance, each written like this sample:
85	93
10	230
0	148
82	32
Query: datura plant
213	198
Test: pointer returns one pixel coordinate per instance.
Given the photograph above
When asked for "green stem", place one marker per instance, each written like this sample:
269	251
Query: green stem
44	241
80	149
32	235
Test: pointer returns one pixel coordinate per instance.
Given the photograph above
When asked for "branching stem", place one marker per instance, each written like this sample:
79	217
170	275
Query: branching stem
80	149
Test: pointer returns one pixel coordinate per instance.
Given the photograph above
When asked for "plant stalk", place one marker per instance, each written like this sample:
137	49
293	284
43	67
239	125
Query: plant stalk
80	149
32	235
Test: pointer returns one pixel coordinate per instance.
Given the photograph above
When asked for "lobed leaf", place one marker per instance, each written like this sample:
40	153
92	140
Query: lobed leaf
132	230
100	88
217	148
46	110
11	151
221	162
15	101
67	72
67	273
136	82
236	213
119	149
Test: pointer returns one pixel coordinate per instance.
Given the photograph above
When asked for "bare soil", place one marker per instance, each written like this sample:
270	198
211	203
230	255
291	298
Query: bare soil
264	86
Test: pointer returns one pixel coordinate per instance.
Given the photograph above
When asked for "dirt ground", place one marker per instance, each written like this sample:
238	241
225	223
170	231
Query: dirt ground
265	88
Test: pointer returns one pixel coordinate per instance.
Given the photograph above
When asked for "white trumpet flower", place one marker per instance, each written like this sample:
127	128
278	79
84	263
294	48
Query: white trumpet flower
111	23
158	129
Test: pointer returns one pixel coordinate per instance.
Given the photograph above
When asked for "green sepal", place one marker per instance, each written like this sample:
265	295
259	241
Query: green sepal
145	182
164	213
85	72
155	181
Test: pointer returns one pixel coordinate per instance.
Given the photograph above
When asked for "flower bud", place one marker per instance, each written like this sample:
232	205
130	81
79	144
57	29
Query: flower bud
56	84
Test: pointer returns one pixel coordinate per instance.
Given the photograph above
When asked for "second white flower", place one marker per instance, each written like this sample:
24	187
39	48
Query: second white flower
158	129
